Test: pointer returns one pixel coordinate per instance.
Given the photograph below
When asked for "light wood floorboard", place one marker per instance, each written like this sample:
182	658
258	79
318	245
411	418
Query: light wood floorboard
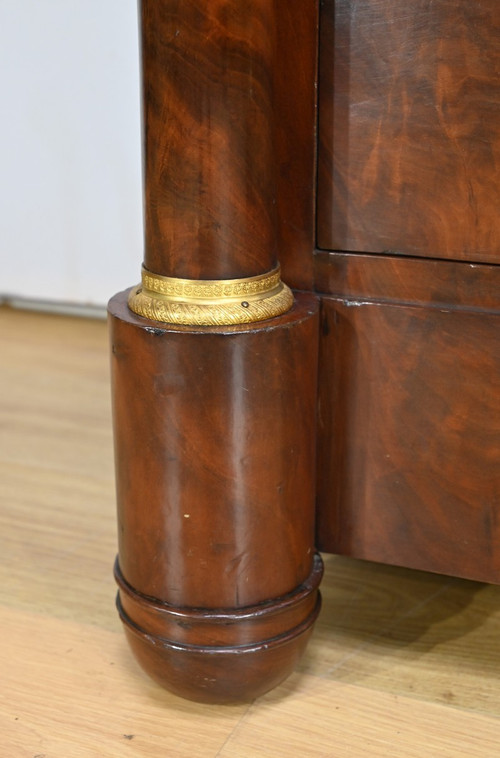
402	663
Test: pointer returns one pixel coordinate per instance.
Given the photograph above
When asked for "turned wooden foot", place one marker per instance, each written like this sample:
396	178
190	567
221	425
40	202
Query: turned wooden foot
224	655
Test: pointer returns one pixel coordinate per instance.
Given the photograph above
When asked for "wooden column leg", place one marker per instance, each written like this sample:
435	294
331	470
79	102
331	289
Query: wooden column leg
214	373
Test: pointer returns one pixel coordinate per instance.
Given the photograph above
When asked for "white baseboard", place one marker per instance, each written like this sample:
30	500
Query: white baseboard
49	306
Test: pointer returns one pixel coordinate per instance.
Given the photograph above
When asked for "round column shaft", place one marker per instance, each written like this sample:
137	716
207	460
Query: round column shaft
209	161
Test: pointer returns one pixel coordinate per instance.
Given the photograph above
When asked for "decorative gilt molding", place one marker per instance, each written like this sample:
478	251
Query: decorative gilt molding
210	302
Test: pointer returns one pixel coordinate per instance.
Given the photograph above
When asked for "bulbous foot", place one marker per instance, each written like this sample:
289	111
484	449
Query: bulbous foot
225	655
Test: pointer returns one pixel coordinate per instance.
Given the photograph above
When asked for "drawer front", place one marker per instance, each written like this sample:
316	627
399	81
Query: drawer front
409	129
409	413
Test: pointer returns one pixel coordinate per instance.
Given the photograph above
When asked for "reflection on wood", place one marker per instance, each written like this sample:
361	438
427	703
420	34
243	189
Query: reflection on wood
409	438
409	156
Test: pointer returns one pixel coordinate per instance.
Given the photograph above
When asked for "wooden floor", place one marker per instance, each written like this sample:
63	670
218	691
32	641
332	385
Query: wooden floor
402	663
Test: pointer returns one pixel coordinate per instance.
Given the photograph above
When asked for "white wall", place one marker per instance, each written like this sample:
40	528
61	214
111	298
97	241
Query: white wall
70	186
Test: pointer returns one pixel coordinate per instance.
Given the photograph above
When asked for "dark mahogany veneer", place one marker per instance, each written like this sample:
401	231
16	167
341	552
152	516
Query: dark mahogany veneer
370	411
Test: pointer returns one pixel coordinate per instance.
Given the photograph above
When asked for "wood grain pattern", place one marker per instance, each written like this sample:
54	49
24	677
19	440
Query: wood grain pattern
210	171
409	152
215	448
411	281
226	419
410	436
229	126
215	427
295	93
401	661
341	719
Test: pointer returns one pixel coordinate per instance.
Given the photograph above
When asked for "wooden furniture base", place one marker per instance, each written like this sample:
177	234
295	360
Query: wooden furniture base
215	440
220	655
386	359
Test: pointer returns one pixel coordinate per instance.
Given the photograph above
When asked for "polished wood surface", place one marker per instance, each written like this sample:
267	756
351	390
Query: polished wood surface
215	458
210	173
402	664
295	94
410	128
409	425
229	156
215	426
226	487
412	281
408	188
